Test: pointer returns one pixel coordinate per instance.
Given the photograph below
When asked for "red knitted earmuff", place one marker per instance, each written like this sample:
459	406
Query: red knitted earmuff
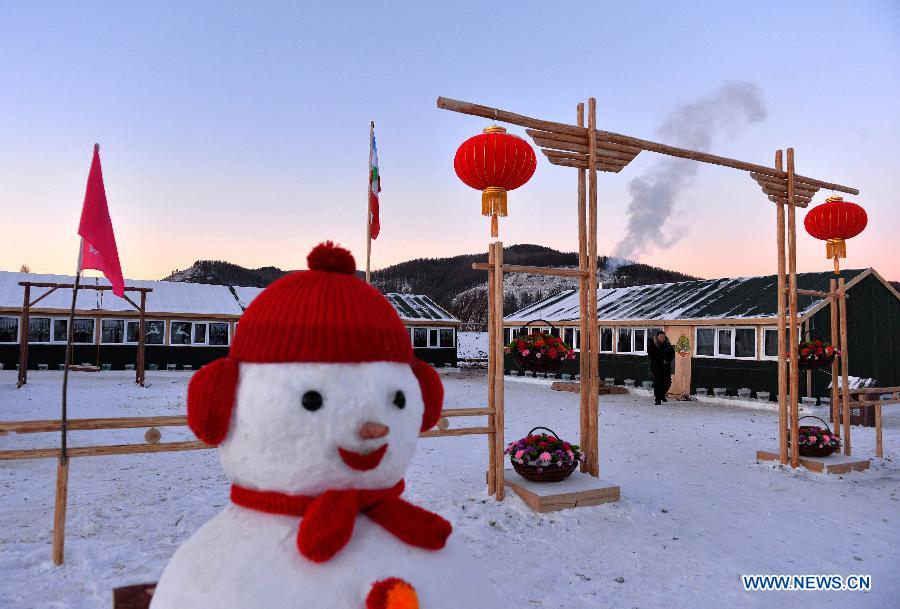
432	392
211	399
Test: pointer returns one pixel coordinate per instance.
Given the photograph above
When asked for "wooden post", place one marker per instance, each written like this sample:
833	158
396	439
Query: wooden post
806	337
497	380
594	330
792	306
835	340
23	339
782	331
59	510
492	364
583	327
845	366
142	332
879	449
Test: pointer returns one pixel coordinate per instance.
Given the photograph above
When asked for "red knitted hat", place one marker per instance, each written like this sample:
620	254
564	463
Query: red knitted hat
325	315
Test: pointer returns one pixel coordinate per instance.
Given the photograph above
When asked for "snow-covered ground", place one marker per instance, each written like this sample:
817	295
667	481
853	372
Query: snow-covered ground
697	510
471	345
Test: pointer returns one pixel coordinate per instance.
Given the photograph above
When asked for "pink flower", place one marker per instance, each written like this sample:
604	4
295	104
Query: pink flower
545	457
537	355
519	454
571	455
826	438
813	439
525	352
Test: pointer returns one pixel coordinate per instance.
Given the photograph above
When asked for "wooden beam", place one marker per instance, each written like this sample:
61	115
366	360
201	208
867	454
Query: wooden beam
35	284
593	326
617	138
462	431
835	340
783	420
583	327
49	425
102	451
531	270
59	510
466	412
845	363
498	380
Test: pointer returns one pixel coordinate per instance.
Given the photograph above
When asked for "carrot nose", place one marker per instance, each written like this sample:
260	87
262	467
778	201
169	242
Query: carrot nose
371	430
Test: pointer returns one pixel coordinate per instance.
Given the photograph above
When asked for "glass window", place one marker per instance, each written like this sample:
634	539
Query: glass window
640	340
60	330
724	343
9	329
39	329
432	338
507	336
131	331
199	334
706	340
180	333
112	331
554	332
606	340
745	342
83	331
447	338
218	334
624	342
420	338
577	345
770	349
155	331
569	336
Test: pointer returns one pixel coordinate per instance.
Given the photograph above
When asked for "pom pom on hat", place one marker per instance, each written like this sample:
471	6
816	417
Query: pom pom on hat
331	258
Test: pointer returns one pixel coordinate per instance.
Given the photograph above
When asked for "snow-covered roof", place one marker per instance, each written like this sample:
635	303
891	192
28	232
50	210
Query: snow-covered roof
178	297
740	298
166	297
417	307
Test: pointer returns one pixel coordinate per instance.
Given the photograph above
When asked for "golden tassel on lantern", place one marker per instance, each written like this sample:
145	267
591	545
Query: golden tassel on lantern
493	204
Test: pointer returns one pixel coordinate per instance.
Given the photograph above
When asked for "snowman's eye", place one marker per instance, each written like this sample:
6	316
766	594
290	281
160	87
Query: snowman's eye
399	400
312	400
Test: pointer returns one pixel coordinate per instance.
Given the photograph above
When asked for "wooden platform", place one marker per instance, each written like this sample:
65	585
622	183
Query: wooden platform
575	387
832	464
578	490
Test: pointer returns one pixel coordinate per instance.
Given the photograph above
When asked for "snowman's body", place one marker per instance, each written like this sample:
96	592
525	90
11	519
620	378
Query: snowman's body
280	440
249	560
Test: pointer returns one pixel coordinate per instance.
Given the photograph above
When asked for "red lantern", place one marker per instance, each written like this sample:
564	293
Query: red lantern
835	221
494	162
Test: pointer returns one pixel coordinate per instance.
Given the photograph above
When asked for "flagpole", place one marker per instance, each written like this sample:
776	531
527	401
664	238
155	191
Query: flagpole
62	467
369	209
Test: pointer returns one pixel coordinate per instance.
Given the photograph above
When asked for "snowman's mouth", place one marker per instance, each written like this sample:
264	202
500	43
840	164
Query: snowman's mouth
363	461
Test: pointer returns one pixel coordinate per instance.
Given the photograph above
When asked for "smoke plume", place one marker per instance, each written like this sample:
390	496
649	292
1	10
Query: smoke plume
726	109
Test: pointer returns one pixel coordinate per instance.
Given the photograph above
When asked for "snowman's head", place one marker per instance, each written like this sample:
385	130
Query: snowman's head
320	390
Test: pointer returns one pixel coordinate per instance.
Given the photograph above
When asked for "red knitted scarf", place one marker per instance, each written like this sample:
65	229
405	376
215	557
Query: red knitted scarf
328	518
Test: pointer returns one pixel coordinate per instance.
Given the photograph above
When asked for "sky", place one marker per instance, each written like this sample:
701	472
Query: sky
240	132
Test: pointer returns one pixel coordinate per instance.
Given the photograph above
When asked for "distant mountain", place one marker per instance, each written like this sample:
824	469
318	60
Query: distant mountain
452	283
219	272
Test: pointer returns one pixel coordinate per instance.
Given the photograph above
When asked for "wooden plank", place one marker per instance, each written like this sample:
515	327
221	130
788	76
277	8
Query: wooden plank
496	114
582	165
593	325
103	451
583	333
492	397
466	412
545	500
879	446
862	390
835	340
59	511
845	362
92	287
833	464
782	330
85	424
462	431
531	270
792	313
498	380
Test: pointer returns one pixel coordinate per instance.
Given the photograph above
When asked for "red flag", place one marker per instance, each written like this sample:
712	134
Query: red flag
374	185
98	250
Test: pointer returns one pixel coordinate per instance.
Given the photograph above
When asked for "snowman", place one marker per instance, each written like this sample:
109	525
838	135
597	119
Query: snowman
316	412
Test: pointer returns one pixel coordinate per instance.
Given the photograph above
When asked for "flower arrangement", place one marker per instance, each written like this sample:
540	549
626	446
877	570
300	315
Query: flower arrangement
815	441
816	354
683	346
544	457
540	351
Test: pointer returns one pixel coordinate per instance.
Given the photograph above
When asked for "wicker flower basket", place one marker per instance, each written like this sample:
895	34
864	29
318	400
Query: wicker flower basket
545	473
820	354
540	364
807	450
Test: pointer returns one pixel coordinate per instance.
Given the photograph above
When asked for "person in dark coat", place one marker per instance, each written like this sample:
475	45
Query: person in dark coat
662	357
